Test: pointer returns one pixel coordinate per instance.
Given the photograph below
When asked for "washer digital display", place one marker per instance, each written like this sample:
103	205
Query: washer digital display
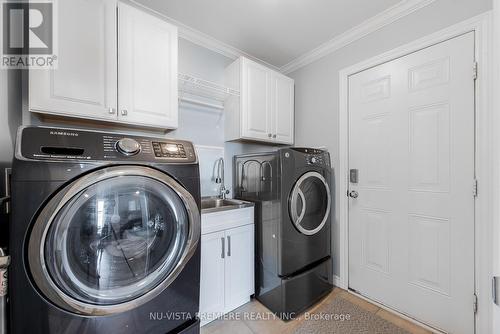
169	150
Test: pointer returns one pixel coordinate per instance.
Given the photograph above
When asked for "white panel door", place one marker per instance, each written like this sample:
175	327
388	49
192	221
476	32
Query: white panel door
283	108
84	84
147	62
256	118
212	275
411	230
239	278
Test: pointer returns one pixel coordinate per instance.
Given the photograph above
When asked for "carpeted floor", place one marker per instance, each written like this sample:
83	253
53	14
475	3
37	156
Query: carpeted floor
340	316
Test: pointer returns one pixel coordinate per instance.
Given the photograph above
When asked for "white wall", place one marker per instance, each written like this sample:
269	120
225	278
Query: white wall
206	126
10	119
203	126
317	85
10	113
5	137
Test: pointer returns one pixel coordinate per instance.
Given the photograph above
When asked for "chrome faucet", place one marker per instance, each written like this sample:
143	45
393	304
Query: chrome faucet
220	179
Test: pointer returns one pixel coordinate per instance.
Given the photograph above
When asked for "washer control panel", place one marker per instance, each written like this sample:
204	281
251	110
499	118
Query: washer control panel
116	146
128	146
43	143
169	150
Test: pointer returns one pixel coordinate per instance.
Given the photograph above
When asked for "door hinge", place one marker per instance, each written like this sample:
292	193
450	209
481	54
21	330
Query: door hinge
474	71
494	289
474	304
474	188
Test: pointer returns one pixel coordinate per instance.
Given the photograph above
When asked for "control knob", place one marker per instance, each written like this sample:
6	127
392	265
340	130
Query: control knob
128	146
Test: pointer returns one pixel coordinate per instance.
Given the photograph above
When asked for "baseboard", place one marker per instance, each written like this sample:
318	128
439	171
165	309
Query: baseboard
336	280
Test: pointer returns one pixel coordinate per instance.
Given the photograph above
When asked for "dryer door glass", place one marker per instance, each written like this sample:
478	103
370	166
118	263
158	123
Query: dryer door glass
310	203
116	240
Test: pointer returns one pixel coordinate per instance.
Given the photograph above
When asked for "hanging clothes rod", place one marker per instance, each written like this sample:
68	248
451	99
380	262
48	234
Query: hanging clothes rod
201	103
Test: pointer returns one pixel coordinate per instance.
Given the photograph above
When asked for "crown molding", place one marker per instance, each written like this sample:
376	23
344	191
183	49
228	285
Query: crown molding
217	46
199	38
388	16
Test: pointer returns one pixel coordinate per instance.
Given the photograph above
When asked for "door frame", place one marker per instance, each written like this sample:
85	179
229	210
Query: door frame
485	154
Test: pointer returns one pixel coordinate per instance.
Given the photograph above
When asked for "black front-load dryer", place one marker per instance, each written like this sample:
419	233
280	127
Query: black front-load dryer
306	226
104	234
292	191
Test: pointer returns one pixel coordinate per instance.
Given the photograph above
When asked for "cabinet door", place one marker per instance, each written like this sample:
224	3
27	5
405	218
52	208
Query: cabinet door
239	266
212	275
283	109
256	103
84	84
147	63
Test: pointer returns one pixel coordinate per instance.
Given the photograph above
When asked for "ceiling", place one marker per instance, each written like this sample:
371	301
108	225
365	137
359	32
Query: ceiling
275	31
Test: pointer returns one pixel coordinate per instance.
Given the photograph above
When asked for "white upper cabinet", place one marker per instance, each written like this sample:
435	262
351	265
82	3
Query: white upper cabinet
120	68
283	107
256	102
147	58
84	84
265	110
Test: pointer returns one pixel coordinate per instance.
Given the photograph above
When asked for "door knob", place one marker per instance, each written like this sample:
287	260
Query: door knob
124	112
353	194
111	111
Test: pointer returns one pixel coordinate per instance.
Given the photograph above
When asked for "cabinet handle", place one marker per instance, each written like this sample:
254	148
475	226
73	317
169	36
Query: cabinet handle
111	111
274	136
124	112
222	254
269	135
228	245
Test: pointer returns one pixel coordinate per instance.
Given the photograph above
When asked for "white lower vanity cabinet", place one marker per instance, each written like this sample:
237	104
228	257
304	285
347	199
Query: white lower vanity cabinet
227	262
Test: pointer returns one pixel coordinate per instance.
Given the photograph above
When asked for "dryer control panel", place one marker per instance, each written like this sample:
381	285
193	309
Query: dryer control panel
43	143
314	156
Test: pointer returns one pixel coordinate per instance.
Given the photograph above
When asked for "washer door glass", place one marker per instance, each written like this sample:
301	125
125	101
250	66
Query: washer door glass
310	203
116	240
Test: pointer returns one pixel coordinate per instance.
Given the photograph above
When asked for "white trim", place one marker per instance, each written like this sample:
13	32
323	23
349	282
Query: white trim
209	147
336	280
388	16
486	166
204	40
496	139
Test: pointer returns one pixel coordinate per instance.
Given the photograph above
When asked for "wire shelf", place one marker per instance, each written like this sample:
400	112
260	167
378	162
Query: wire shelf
211	93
